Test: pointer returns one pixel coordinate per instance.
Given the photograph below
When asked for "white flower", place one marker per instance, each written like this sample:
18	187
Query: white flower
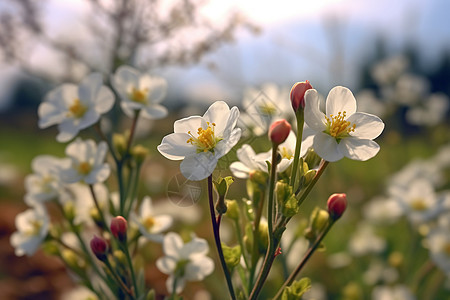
184	262
341	131
418	169
74	108
430	112
79	293
248	161
86	162
396	292
382	211
201	141
418	200
438	241
264	106
140	91
32	228
151	226
44	184
365	241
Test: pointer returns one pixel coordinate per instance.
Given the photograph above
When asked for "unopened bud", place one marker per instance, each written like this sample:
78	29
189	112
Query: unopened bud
120	143
337	203
279	131
99	247
119	228
297	95
139	153
258	177
233	209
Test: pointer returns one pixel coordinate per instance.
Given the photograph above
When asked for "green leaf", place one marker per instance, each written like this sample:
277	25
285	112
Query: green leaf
296	290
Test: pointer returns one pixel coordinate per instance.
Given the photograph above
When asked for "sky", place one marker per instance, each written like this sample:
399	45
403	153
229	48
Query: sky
324	41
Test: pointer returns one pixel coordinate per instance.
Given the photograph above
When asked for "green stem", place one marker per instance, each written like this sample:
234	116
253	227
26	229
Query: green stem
300	117
255	250
118	280
270	254
135	184
217	239
130	265
305	193
306	257
97	205
241	241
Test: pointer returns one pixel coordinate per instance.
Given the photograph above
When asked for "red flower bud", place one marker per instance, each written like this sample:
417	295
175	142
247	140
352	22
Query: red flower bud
99	247
119	228
337	203
297	95
279	131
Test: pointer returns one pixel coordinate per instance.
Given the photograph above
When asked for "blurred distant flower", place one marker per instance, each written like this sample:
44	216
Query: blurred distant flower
150	225
438	242
418	200
32	228
79	293
201	141
368	102
45	183
418	169
395	292
87	162
387	71
184	262
379	271
364	241
411	89
75	108
382	211
442	158
264	106
429	112
140	91
341	131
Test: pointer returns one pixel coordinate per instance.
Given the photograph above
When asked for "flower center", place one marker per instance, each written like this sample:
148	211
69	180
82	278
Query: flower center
139	96
419	204
337	126
286	153
206	140
77	109
35	228
148	223
268	109
84	168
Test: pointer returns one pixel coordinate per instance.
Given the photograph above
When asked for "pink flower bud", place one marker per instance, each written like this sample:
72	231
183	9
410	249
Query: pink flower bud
99	247
279	131
337	203
119	228
297	95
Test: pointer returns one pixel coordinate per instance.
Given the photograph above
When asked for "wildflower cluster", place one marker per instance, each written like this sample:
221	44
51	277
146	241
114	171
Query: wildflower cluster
102	224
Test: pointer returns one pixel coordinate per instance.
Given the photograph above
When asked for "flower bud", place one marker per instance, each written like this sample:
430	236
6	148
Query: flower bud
139	153
119	228
297	95
99	247
120	143
279	131
336	205
233	209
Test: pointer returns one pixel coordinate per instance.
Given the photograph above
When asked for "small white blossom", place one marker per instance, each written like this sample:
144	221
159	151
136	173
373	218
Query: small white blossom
150	225
75	108
140	91
201	141
184	262
32	228
438	242
364	241
382	211
45	183
341	131
431	111
79	293
248	161
396	292
87	162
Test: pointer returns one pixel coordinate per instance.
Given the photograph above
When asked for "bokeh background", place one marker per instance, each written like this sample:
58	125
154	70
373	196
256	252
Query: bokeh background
394	56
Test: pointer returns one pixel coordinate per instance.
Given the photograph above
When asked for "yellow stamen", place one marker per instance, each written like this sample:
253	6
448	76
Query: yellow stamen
148	222
84	168
268	109
286	153
338	127
139	96
35	228
419	204
206	140
77	109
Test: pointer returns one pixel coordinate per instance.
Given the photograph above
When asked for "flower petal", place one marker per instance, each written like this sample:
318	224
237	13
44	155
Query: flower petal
157	87
172	244
358	149
199	166
175	146
218	113
195	247
189	124
99	174
104	101
67	131
89	87
367	126
231	123
154	112
246	155
225	145
198	269
314	118
326	147
166	264
239	169
340	99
